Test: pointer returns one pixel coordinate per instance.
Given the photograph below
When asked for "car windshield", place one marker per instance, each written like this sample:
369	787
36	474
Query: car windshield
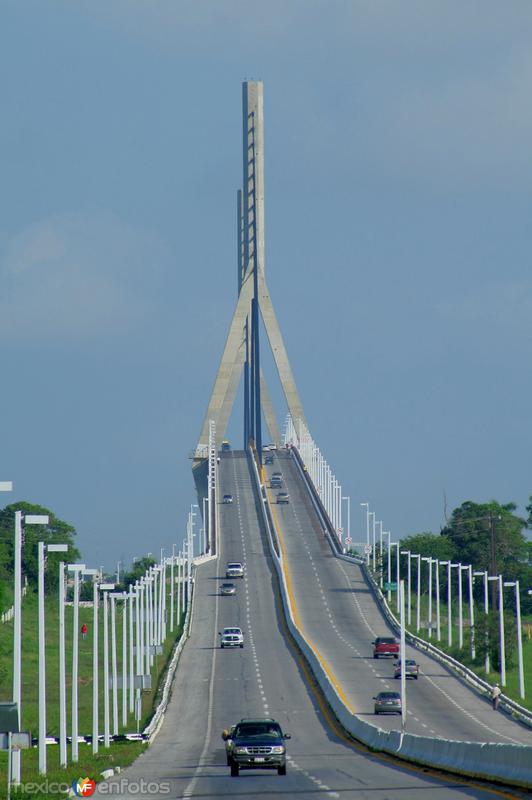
410	662
264	730
232	630
389	696
234	565
385	640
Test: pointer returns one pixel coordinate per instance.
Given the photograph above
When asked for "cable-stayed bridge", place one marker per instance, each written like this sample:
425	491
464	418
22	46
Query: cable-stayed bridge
308	612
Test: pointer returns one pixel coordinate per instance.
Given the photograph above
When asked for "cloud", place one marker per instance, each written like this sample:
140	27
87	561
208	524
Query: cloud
76	277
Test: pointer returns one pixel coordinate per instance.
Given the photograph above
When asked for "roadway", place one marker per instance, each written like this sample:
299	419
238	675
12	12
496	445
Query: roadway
341	618
213	688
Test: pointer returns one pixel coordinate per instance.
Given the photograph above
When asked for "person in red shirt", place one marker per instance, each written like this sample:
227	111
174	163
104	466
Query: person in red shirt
84	630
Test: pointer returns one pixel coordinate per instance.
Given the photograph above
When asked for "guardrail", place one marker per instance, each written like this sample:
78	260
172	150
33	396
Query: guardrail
507	763
154	726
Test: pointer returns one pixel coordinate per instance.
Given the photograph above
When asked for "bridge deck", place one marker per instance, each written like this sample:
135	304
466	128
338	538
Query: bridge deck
339	615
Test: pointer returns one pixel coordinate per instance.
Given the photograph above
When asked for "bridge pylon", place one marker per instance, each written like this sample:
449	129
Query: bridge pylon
242	348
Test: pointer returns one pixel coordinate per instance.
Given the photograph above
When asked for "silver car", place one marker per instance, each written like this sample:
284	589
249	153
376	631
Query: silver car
228	588
388	703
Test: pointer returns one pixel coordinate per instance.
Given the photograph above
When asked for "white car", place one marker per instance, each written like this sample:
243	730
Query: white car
234	569
231	637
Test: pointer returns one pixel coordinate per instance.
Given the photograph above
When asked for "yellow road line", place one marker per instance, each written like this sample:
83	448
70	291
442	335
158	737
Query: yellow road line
295	612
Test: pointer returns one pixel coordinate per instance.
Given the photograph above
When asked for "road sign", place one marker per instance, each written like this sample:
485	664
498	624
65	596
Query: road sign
390	587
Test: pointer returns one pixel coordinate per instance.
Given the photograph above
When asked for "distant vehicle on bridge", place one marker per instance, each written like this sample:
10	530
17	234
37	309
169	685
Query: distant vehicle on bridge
268	459
283	497
256	744
388	703
234	569
231	637
228	588
226	446
385	647
411	669
227	499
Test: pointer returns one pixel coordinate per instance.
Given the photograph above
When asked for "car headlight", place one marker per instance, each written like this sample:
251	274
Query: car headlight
278	749
241	750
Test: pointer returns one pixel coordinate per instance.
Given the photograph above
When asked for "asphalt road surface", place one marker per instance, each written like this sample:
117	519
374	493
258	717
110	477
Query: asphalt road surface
340	616
214	688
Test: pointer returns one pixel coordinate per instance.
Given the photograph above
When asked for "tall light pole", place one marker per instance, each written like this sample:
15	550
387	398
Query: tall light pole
43	548
402	653
172	585
397	574
106	588
20	519
348	499
436	563
409	582
484	575
368	549
374	542
418	591
428	559
380	554
95	666
515	584
502	644
388	568
76	569
469	569
62	670
461	567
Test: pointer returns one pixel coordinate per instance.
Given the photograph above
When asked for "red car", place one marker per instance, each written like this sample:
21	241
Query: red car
385	647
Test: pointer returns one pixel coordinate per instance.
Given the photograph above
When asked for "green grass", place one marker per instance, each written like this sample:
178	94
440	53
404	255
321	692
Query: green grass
120	754
30	686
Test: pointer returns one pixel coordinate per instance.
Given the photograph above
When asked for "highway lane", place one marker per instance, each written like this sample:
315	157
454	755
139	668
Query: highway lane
213	688
341	618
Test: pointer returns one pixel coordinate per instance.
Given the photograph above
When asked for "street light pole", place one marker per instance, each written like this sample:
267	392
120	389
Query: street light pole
502	647
515	584
95	665
368	549
418	592
428	559
76	569
409	582
402	653
437	579
105	588
484	575
51	548
62	670
471	610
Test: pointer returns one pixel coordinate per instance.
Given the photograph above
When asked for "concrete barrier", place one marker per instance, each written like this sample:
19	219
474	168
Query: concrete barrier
507	763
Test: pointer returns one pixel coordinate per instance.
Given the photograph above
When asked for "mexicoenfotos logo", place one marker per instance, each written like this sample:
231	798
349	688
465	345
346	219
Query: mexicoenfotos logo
84	787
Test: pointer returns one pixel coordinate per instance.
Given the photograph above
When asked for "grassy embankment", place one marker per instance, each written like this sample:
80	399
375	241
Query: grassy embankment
119	753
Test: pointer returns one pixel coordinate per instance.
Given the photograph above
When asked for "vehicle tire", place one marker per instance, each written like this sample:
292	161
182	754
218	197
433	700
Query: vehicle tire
397	677
375	656
241	646
281	770
234	770
416	677
222	646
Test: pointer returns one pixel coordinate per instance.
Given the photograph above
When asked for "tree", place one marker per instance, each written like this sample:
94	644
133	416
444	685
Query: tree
138	569
488	536
57	532
529	509
487	639
427	544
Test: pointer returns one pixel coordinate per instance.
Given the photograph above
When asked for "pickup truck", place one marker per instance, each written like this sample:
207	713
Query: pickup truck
385	647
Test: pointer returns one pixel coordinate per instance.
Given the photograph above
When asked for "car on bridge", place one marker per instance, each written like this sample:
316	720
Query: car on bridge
283	497
231	637
411	669
228	588
226	446
388	703
256	744
268	459
385	647
227	499
234	569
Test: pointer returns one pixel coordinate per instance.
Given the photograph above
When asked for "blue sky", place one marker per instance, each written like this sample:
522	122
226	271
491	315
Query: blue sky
398	241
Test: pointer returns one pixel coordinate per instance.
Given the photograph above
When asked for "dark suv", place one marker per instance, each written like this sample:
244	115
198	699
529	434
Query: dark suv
256	744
